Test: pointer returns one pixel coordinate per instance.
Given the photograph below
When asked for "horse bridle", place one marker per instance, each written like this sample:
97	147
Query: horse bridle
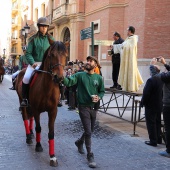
55	77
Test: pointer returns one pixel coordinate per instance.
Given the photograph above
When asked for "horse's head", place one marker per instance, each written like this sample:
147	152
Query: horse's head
56	59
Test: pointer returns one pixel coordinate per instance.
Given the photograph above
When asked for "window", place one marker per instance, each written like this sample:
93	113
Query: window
43	10
36	15
96	26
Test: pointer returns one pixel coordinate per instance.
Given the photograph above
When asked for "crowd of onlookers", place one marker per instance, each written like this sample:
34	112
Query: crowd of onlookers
69	93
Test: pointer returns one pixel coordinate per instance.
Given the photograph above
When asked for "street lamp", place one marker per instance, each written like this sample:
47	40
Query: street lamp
25	31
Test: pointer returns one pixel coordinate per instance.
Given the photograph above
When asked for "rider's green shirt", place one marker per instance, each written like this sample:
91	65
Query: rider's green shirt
87	85
37	46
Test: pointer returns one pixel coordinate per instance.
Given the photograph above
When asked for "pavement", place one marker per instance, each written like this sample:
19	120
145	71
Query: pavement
112	143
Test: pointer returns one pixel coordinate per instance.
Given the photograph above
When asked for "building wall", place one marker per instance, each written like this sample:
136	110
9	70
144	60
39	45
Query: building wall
157	29
149	17
15	30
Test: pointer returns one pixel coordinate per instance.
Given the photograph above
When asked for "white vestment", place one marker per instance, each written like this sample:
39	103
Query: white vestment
129	76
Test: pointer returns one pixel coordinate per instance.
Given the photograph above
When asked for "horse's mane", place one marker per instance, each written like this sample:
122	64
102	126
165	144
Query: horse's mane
58	46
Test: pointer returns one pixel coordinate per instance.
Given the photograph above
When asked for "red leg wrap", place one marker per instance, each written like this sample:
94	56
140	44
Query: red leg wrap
31	123
38	137
51	147
26	127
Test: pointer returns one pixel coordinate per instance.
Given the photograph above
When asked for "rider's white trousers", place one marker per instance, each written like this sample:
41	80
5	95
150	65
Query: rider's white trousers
29	72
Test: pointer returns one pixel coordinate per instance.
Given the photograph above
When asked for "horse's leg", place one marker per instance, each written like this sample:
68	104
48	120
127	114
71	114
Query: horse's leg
52	117
38	147
31	123
26	124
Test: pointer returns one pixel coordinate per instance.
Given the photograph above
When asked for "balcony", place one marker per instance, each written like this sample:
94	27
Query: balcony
60	14
13	51
14	23
14	9
49	17
14	40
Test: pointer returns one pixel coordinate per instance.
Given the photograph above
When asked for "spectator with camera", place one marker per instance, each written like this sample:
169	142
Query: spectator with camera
165	77
153	108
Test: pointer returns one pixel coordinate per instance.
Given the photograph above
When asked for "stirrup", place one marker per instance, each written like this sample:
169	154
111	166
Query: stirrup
24	103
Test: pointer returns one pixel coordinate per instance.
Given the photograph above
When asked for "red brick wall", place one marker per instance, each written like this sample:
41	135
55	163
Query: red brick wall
135	16
151	20
79	43
111	20
157	29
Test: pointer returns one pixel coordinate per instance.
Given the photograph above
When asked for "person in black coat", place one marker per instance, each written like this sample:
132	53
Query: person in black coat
116	61
152	101
165	77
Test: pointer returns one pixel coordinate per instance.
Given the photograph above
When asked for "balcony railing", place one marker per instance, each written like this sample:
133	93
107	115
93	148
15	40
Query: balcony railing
14	9
60	11
13	50
49	17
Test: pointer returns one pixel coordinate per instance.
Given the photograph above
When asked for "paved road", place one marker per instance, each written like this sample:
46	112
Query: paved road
113	149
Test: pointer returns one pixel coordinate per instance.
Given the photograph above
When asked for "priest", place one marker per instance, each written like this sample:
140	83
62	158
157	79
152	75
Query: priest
129	76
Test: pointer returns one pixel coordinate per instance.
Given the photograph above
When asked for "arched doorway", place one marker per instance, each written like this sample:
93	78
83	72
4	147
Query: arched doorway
66	37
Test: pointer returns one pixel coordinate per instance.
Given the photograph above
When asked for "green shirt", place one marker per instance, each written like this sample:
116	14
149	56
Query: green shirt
37	46
22	62
87	85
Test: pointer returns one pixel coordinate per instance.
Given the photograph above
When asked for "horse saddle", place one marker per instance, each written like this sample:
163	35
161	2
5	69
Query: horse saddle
33	78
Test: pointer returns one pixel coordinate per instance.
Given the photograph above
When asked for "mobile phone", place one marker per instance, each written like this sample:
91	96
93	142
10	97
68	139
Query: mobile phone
157	59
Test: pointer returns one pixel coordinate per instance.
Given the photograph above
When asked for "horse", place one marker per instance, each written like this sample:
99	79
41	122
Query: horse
44	94
2	70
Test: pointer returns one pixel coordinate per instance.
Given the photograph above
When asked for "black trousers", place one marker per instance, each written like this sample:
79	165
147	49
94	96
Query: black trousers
88	118
153	123
166	116
115	72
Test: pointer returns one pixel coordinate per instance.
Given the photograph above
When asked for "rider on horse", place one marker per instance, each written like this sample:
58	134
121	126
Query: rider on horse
37	46
23	63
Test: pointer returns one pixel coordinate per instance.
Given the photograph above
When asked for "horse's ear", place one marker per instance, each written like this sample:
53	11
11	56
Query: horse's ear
49	39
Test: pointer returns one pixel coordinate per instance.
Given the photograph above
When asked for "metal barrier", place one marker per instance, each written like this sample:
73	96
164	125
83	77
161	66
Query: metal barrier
125	105
135	108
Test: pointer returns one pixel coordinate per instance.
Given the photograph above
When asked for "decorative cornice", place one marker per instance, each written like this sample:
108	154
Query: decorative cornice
78	17
119	5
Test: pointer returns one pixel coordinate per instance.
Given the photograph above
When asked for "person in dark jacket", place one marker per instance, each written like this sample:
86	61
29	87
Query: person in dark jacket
36	48
165	77
152	100
23	63
116	61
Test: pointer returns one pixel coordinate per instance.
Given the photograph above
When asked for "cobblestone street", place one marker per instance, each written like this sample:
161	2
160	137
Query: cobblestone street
113	149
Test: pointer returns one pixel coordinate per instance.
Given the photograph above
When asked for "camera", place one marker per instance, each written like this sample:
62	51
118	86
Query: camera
157	59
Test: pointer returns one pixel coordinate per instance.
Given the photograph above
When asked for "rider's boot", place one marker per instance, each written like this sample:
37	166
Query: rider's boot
13	83
25	88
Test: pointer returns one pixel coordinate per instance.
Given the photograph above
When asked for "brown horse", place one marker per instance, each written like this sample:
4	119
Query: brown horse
2	70
44	93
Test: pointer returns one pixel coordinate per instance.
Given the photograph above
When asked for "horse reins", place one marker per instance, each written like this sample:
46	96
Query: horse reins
51	67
